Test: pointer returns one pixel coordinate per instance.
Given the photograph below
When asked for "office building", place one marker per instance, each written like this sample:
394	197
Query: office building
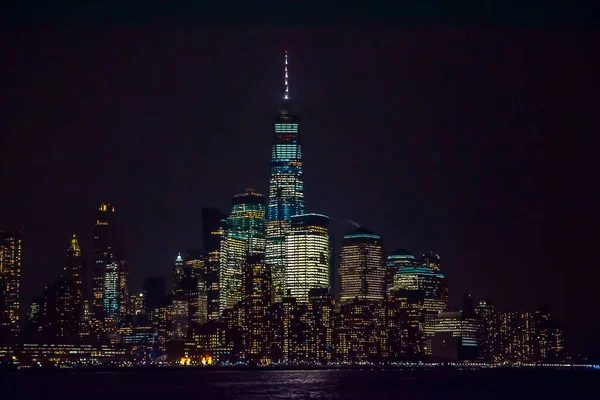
212	233
244	236
10	282
307	255
103	256
425	277
286	187
362	266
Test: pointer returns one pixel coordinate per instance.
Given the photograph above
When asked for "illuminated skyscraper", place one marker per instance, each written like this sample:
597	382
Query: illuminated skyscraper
286	187
426	278
362	266
10	281
307	255
491	330
212	232
177	273
395	261
244	235
75	273
195	274
104	263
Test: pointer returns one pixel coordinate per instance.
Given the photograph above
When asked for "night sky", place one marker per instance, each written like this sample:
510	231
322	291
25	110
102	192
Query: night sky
473	142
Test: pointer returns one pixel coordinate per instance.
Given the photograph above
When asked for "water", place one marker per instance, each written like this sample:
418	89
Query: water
321	384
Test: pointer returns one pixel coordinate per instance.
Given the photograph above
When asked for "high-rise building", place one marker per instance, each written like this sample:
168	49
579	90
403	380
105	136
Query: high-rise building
10	281
307	255
59	320
458	335
490	330
177	272
244	235
286	187
397	260
321	309
257	299
212	232
356	337
195	273
516	336
547	337
426	278
362	266
75	273
104	262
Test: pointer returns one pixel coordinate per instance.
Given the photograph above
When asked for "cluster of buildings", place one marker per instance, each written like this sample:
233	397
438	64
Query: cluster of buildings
266	288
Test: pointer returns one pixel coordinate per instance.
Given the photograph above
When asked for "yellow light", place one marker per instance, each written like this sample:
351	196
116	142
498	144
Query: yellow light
185	361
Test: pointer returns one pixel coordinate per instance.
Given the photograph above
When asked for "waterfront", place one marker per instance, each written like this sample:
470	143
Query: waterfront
308	384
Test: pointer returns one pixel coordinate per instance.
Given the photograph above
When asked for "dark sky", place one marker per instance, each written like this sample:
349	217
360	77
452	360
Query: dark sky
473	142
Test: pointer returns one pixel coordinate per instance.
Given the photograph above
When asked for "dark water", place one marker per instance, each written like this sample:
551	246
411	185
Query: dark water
322	384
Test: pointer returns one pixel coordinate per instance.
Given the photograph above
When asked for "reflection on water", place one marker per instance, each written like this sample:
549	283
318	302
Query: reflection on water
321	384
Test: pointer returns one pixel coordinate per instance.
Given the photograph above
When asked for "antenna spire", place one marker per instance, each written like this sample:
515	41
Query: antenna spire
286	94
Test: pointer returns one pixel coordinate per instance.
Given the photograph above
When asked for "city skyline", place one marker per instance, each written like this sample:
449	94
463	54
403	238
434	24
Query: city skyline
416	244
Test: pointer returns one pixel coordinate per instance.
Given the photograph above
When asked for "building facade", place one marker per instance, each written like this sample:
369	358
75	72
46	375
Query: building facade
362	266
286	188
244	235
10	282
307	256
103	256
424	277
212	234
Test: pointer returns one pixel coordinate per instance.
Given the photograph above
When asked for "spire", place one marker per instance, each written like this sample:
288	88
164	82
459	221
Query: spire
286	94
179	259
74	244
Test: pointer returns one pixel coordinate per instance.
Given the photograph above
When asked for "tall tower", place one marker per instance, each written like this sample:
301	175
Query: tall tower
75	274
104	261
307	257
362	268
212	233
286	186
177	273
244	235
10	278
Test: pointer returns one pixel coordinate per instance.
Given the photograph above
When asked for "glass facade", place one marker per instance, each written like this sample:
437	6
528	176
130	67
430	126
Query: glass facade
244	235
424	277
212	233
286	193
286	189
103	256
362	266
307	256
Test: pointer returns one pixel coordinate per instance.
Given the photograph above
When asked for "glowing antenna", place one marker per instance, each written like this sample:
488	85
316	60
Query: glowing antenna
287	87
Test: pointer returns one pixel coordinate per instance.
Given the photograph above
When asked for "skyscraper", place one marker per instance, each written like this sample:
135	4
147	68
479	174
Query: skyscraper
307	255
75	273
490	330
362	266
177	273
244	235
424	277
10	281
195	273
212	232
103	257
286	187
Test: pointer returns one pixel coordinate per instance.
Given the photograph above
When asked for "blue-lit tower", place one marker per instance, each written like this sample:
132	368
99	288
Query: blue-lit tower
286	187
